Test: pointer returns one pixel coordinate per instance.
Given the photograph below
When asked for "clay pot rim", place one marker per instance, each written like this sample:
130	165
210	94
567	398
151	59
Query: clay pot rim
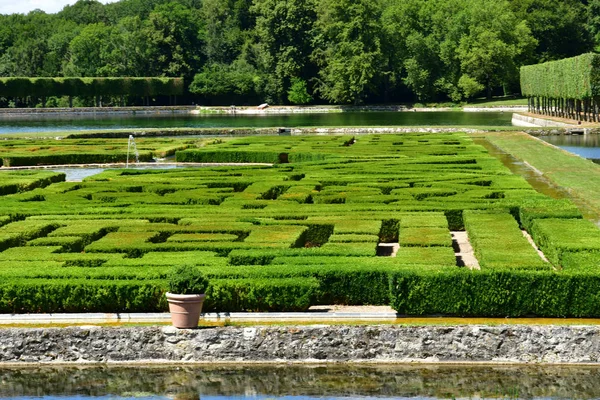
176	296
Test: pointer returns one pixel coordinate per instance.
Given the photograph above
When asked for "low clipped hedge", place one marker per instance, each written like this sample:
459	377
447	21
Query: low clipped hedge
73	158
80	295
559	236
22	181
499	243
88	295
496	293
247	156
261	294
224	156
453	291
92	86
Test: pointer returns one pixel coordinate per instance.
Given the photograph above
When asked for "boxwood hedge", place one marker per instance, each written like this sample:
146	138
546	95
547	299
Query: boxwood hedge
294	234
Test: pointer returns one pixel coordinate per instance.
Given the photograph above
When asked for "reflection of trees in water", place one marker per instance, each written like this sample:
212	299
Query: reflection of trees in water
193	382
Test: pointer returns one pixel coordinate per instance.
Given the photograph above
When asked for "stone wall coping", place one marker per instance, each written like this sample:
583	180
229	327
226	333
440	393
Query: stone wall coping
61	318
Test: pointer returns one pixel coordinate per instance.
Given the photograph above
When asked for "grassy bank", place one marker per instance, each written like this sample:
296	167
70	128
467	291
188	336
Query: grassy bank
580	176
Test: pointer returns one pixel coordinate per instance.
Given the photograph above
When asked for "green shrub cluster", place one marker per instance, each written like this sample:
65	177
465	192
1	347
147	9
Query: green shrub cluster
496	293
23	181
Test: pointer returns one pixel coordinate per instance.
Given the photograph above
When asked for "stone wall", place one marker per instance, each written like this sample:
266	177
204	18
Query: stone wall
529	121
383	343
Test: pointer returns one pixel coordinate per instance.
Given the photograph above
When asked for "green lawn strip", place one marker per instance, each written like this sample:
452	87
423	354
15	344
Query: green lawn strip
580	176
496	103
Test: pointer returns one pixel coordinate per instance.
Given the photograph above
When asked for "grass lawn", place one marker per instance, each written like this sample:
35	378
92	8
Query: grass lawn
580	176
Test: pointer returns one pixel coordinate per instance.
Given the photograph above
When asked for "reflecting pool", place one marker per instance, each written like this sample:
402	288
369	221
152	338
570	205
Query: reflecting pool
66	122
302	382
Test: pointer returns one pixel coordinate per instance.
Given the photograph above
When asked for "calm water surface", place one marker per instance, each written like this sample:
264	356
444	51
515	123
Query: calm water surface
587	146
58	123
302	382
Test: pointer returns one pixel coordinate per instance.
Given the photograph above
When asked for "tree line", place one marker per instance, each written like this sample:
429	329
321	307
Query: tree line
303	51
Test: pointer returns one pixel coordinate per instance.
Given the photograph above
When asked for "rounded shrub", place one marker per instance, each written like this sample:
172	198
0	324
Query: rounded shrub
187	279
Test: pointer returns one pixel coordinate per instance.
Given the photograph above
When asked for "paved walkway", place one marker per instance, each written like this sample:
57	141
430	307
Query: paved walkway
316	313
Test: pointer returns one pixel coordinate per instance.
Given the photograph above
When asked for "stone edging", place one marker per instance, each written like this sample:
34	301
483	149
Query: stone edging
338	343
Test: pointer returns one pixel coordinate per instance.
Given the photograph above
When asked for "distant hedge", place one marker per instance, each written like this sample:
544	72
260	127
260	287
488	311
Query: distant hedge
44	87
566	88
572	78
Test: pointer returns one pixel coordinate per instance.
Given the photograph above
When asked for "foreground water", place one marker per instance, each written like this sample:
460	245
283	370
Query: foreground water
58	123
302	382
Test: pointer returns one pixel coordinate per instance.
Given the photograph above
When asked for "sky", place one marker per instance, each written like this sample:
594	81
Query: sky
24	6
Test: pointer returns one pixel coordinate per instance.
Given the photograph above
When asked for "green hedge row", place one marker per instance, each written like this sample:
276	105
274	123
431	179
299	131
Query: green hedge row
452	291
17	233
499	243
248	156
571	78
85	295
49	296
72	158
44	87
23	181
261	294
559	236
496	293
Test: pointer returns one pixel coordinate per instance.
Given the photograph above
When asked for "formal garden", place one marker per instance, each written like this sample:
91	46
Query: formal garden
303	231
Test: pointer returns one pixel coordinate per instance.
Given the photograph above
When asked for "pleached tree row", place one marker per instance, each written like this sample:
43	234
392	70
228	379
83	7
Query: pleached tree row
568	88
97	87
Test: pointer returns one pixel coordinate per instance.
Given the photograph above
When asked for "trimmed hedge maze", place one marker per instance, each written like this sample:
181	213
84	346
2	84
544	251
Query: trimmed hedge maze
27	152
302	232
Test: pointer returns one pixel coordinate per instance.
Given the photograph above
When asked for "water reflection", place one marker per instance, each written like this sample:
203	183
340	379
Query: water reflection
68	122
391	381
587	146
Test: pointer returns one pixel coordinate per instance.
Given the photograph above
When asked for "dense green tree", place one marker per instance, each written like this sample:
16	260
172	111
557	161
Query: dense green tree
488	52
226	28
348	49
298	93
560	27
593	23
174	46
284	31
237	83
85	12
141	8
26	55
338	51
58	47
126	53
88	51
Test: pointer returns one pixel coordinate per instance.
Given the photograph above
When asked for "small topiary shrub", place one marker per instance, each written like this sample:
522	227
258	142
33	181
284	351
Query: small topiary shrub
187	279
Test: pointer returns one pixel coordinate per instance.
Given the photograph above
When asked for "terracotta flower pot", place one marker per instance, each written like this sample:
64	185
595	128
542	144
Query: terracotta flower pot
185	309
